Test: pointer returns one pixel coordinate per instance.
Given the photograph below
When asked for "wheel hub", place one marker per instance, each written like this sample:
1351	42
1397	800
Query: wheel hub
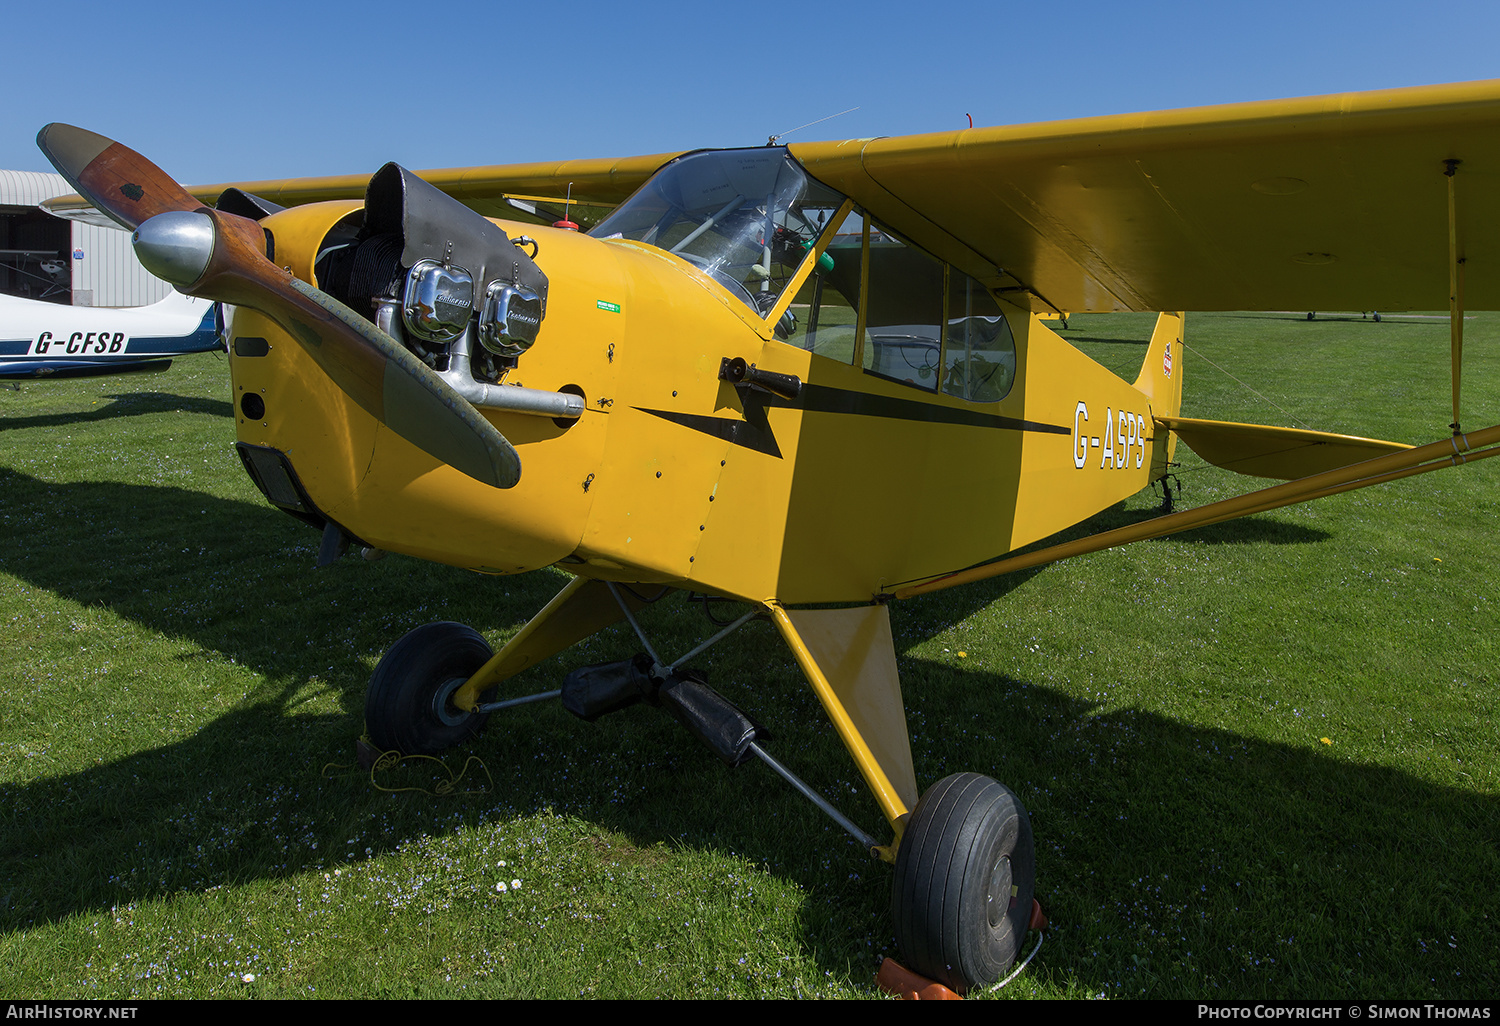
998	895
446	712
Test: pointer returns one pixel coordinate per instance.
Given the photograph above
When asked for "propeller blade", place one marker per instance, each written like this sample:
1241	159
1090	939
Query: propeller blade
114	178
221	256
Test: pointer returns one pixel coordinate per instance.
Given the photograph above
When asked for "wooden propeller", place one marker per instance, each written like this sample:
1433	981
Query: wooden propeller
222	256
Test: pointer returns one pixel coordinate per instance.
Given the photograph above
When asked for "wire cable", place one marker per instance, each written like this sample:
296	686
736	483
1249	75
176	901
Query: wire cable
1017	970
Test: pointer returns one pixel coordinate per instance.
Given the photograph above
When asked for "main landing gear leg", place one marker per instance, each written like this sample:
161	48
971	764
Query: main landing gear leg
425	694
965	876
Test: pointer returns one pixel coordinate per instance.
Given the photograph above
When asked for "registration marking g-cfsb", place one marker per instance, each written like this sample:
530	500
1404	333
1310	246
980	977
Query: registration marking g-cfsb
81	342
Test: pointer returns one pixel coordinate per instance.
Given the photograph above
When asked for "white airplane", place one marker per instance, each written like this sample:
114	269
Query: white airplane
40	339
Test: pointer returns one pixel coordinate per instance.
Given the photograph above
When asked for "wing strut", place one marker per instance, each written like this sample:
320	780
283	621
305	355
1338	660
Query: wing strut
1455	290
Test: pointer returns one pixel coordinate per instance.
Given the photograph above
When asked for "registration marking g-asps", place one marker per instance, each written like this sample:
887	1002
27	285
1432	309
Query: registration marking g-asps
1124	438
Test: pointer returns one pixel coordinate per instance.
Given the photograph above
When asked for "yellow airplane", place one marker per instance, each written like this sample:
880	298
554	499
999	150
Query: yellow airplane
800	377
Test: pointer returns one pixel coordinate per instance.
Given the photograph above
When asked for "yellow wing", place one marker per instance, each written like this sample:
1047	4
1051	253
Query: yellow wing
516	191
1335	202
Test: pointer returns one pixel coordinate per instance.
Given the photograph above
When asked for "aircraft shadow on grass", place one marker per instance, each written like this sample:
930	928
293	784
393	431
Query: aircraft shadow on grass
944	609
1386	321
125	404
1089	340
243	797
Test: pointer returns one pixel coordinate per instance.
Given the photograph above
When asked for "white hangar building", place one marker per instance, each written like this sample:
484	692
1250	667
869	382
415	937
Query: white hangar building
60	261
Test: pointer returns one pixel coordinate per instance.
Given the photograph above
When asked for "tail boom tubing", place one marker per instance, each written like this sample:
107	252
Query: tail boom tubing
1447	452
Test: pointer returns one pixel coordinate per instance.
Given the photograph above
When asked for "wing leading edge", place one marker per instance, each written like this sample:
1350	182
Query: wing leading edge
600	183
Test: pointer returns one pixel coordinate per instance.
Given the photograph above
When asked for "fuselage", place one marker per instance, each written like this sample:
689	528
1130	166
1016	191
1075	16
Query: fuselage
875	472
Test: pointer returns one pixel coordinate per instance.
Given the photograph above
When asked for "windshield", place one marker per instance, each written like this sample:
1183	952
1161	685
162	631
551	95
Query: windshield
744	217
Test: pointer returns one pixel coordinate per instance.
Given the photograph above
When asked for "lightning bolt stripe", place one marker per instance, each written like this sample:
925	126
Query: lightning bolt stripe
754	431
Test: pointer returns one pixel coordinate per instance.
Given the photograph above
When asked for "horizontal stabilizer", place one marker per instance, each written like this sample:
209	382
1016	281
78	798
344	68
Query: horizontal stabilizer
1283	453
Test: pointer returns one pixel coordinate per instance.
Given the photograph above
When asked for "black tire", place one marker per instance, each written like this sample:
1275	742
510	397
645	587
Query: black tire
406	706
964	884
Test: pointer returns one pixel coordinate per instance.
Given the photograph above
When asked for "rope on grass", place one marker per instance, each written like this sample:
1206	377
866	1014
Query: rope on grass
388	761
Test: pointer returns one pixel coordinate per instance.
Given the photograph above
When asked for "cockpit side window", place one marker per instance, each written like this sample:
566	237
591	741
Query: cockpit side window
745	218
904	315
979	351
904	312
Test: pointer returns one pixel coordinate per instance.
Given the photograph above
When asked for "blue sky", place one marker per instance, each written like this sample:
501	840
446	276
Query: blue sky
286	88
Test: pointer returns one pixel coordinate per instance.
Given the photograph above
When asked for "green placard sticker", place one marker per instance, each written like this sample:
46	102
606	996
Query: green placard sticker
606	305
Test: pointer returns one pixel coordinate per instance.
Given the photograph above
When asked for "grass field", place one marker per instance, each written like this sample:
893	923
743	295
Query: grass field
1260	758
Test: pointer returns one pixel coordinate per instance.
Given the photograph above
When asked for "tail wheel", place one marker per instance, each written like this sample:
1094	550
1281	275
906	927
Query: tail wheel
408	704
964	883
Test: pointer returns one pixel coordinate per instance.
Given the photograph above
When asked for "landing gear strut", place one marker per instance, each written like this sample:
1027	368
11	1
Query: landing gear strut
965	865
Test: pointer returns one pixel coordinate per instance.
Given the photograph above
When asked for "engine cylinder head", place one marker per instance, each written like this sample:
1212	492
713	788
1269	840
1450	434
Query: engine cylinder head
439	301
510	319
